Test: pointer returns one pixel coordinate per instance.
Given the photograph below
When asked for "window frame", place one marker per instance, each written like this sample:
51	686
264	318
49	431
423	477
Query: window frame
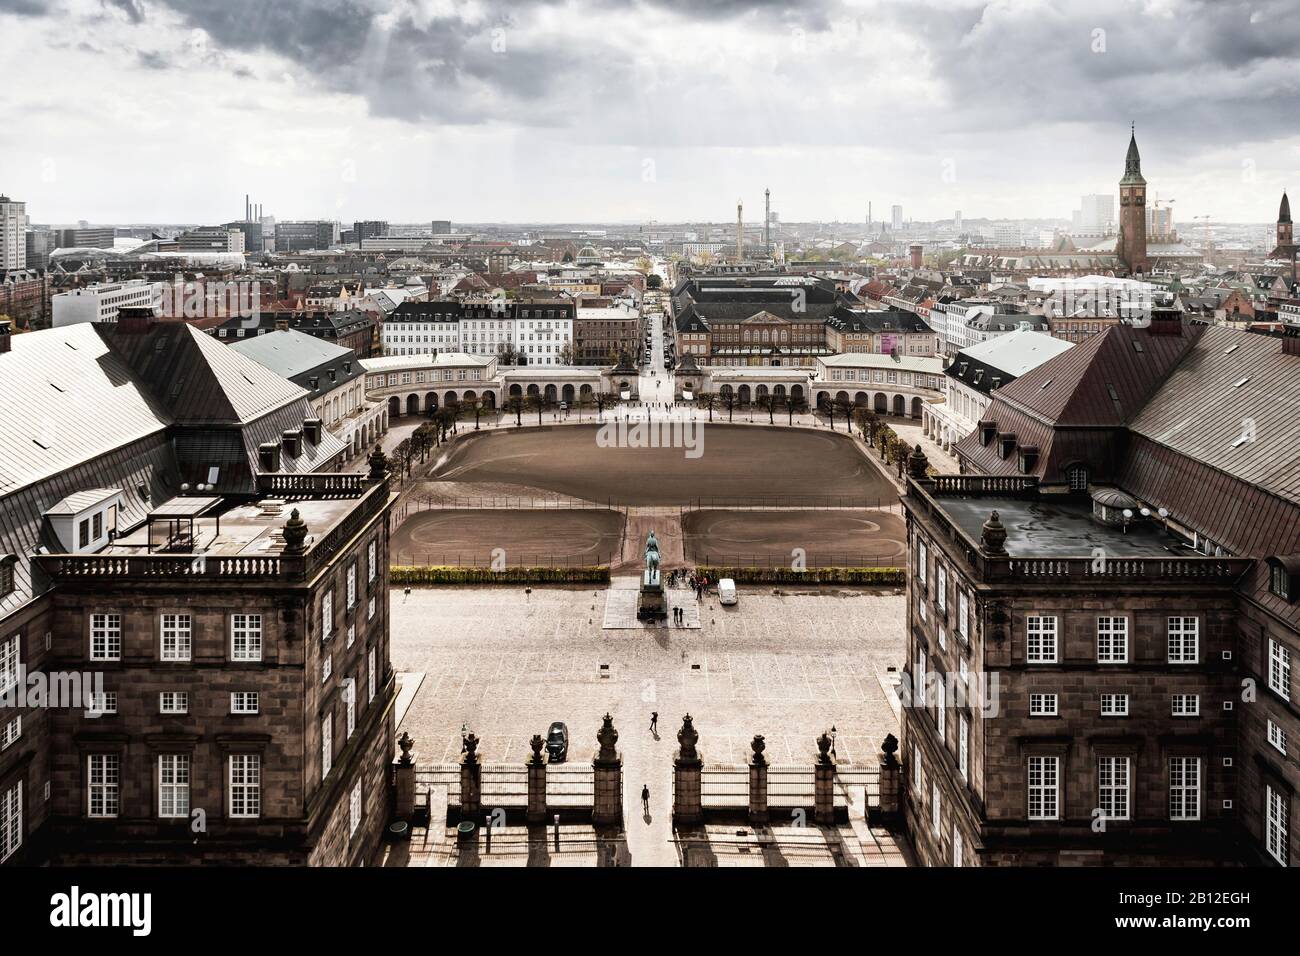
248	789
1109	789
182	636
1112	639
108	634
1179	634
1183	789
1043	789
109	791
180	767
1042	634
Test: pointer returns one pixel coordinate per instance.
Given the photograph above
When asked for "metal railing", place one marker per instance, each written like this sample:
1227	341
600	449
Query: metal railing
568	786
726	786
779	559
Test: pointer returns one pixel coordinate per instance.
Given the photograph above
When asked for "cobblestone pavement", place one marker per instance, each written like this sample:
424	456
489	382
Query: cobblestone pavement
789	667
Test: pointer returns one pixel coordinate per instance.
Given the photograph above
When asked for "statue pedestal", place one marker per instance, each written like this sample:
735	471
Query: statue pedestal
652	603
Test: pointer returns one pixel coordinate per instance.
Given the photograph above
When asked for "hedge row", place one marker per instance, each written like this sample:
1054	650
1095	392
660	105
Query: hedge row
426	574
880	577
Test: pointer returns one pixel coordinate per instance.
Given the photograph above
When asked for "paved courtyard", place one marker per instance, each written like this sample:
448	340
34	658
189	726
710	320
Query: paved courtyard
787	666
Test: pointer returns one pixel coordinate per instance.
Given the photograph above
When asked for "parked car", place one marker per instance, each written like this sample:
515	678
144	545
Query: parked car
557	742
727	592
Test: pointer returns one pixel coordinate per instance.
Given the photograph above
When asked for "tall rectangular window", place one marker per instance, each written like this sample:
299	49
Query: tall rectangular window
11	820
370	675
350	703
354	808
371	570
1044	782
105	637
8	663
921	557
103	777
1113	787
1184	788
352	585
963	747
1112	640
941	707
326	745
1040	639
1279	669
173	785
1184	640
941	587
176	637
1277	736
934	806
245	785
1275	824
963	616
246	637
956	846
327	615
916	770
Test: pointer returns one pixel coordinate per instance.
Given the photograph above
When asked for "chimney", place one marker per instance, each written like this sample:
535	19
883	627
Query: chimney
134	320
1166	322
311	428
1290	343
6	329
268	457
292	442
282	325
915	251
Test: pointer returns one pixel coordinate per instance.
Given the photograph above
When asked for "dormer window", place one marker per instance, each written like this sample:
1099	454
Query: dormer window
1028	459
1006	445
987	431
1282	574
7	564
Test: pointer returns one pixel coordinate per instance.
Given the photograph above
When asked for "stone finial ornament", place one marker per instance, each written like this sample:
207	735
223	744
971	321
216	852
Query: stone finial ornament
405	742
537	743
889	747
758	745
824	749
295	533
917	463
993	536
608	737
687	738
471	747
378	464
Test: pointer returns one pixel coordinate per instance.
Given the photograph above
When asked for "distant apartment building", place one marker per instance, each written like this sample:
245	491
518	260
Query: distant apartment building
601	335
896	218
368	229
85	237
305	235
211	239
39	243
538	331
101	302
13	234
25	297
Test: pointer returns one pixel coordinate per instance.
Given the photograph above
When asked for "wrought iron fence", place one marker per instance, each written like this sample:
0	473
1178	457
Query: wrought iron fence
727	786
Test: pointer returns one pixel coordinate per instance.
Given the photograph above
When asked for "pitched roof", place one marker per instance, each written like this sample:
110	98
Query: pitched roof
288	352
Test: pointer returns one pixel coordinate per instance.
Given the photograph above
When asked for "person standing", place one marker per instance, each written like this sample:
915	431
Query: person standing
654	721
645	799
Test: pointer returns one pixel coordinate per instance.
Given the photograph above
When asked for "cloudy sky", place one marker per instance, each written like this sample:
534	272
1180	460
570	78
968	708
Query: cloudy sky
571	110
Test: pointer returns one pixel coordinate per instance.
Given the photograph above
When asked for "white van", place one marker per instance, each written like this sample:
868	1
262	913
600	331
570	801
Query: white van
727	591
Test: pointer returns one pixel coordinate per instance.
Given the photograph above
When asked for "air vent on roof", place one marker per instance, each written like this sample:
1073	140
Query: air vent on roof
1137	346
1110	390
1240	382
1231	348
1045	384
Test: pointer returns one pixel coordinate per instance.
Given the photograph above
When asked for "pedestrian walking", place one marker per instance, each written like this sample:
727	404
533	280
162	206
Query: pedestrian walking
654	721
645	799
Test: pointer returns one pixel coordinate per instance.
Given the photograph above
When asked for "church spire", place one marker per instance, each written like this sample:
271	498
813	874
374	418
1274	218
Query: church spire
1133	161
1284	210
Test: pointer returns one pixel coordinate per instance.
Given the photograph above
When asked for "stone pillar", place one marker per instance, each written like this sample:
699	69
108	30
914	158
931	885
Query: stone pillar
824	784
536	781
471	781
687	767
404	779
758	783
891	780
607	777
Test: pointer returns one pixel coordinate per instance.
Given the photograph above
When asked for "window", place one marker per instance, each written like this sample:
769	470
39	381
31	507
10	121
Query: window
941	583
1114	705
934	806
246	637
83	534
245	785
1184	640
1184	788
352	585
102	702
956	846
1040	645
352	634
921	556
963	616
173	785
103	775
1186	705
1113	787
6	578
105	637
176	637
1277	736
327	615
11	732
354	808
1078	477
370	675
326	745
943	638
1279	581
916	769
1043	788
326	666
370	561
963	747
1279	669
350	702
1042	705
371	610
1275	824
8	663
244	702
921	608
174	702
1112	640
941	708
11	820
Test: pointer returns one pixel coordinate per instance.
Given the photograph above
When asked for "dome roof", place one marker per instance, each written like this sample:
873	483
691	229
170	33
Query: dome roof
1114	498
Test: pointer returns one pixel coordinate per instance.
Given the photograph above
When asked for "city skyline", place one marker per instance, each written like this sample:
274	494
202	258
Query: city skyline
590	112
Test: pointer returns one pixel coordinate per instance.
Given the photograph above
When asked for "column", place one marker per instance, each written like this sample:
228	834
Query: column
824	783
687	767
891	779
607	777
758	815
471	781
536	765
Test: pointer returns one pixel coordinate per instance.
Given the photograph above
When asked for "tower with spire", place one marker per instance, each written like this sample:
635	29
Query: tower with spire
1286	247
1132	248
